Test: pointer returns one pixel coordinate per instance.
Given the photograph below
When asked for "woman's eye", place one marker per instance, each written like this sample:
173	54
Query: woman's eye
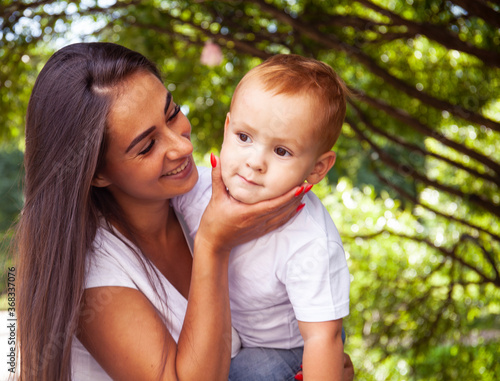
280	151
148	148
244	138
177	108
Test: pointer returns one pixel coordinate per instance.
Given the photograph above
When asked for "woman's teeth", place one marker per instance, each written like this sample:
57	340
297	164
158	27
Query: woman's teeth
180	169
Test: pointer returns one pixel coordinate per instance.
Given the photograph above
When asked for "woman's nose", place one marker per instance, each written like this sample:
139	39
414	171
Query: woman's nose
179	145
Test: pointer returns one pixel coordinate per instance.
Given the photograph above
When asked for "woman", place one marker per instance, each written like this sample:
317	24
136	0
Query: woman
108	283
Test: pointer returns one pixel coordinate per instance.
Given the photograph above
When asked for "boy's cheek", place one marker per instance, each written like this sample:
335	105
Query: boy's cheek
225	175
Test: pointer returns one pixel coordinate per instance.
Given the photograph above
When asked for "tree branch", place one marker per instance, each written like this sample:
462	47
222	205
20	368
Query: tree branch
481	10
7	11
332	42
387	37
421	151
415	201
166	31
117	5
404	170
439	34
239	45
353	21
446	253
407	119
487	254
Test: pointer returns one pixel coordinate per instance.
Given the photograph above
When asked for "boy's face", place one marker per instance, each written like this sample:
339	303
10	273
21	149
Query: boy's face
268	145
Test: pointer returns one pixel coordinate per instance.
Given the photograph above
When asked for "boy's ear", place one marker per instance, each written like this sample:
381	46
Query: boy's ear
324	163
226	123
100	181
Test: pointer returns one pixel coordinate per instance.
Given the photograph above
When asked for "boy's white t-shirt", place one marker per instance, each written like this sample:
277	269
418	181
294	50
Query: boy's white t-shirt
297	272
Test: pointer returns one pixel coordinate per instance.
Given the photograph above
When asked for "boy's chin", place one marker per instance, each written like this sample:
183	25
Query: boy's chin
245	198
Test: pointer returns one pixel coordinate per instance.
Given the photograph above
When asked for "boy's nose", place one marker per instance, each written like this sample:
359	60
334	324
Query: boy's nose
257	162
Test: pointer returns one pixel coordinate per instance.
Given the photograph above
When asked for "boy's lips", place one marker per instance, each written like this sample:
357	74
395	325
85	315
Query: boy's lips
248	181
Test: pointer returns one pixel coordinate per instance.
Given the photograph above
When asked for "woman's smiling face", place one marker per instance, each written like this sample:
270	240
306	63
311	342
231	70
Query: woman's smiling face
149	153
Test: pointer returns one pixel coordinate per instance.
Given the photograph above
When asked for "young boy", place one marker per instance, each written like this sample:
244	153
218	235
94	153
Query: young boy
288	289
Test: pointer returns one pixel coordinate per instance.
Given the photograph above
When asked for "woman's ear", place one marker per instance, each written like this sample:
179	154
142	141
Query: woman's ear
100	181
324	163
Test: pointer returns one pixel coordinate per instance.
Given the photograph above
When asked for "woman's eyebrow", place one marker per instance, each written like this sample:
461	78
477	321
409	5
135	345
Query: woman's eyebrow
167	103
139	137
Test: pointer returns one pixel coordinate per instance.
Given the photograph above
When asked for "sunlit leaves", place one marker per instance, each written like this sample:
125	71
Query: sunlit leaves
423	254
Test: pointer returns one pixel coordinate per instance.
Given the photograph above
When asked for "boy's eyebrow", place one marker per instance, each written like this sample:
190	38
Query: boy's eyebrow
142	135
246	126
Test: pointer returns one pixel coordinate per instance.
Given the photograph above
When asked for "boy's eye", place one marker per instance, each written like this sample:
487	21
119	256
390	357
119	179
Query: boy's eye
280	151
148	148
244	138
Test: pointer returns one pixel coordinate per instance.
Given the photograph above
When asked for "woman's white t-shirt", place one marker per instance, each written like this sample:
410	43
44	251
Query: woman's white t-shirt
113	263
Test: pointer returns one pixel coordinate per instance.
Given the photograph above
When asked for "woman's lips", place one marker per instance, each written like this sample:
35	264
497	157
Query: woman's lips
178	169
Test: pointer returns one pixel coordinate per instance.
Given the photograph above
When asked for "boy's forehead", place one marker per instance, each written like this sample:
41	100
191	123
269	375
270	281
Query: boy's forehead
290	121
255	88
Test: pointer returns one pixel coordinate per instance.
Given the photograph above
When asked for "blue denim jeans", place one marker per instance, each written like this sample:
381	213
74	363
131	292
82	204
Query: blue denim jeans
267	364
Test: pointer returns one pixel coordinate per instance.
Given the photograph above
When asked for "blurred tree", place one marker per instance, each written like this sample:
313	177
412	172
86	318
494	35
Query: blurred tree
10	186
418	169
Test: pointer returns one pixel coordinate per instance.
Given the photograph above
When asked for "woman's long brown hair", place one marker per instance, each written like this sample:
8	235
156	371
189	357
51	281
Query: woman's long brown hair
65	145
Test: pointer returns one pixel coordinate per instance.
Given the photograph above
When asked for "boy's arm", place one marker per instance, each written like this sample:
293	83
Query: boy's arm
323	357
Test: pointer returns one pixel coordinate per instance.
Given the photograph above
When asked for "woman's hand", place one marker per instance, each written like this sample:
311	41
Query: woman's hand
227	222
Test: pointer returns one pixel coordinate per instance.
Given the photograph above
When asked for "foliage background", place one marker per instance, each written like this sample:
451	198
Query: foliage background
414	191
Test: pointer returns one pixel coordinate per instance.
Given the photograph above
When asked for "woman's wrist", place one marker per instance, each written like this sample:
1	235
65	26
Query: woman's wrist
206	243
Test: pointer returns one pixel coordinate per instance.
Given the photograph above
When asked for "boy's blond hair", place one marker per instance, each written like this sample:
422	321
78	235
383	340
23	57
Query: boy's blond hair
292	74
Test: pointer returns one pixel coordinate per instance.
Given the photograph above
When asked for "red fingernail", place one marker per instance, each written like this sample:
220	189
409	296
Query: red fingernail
308	188
299	377
299	191
299	208
213	160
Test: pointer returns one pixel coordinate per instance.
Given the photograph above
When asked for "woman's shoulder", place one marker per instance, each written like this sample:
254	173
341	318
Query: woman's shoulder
114	261
109	239
110	261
